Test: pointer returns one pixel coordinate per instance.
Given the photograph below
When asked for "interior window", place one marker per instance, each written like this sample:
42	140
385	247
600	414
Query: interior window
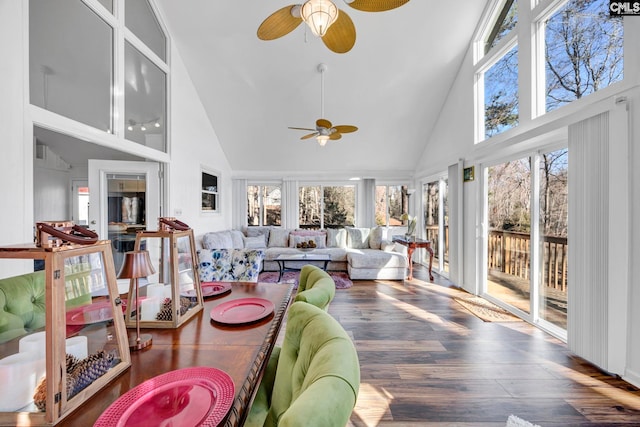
71	66
141	20
145	100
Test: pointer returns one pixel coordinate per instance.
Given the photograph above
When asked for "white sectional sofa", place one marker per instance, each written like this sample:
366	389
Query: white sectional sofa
364	253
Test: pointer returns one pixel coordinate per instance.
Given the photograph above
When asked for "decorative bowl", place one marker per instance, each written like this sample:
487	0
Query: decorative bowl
306	249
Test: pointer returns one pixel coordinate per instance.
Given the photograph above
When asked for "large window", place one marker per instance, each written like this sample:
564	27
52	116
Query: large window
501	94
556	53
327	206
391	203
583	51
264	205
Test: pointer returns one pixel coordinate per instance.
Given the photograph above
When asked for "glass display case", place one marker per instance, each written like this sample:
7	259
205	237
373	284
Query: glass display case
173	294
62	330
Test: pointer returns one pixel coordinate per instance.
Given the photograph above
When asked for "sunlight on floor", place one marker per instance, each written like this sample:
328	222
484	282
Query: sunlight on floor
621	396
411	309
372	405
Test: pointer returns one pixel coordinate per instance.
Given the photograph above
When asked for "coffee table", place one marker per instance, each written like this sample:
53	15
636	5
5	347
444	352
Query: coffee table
300	260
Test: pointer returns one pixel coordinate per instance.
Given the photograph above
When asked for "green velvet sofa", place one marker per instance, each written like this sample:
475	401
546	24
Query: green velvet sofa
313	379
22	305
23	302
316	287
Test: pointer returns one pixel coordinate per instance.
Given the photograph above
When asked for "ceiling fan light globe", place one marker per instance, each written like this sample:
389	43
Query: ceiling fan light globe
319	15
322	140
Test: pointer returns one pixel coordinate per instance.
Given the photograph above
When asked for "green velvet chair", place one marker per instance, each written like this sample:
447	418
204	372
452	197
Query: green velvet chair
316	287
313	379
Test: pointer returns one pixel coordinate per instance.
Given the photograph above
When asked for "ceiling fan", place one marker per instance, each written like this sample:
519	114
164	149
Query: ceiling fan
325	20
324	130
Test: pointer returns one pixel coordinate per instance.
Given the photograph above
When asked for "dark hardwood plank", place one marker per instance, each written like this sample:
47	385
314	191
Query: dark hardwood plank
426	361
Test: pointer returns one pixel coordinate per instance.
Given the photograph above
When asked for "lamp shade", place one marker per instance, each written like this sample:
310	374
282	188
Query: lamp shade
136	264
319	15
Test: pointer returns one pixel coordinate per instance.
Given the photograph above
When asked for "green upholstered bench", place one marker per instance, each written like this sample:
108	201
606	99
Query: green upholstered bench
316	287
313	379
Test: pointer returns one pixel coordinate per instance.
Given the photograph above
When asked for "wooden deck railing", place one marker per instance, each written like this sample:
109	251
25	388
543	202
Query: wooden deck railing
509	253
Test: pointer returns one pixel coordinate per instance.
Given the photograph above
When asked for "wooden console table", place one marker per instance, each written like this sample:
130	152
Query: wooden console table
412	244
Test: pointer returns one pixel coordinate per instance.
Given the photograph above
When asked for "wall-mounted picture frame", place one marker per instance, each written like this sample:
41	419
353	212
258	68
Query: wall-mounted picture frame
469	174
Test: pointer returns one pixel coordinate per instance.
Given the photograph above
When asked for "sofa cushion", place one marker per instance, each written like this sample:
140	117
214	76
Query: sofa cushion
358	238
279	237
375	258
320	240
263	230
336	238
217	240
237	239
256	242
375	237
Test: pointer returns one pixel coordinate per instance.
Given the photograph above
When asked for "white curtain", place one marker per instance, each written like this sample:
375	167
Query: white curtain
289	204
240	205
368	215
455	223
588	323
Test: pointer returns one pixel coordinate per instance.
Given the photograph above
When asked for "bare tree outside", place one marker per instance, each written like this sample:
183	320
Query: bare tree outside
326	206
583	51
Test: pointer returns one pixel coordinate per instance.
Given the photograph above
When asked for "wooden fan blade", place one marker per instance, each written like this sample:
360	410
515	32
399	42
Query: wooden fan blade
311	135
345	128
375	5
278	24
341	35
323	123
335	135
313	130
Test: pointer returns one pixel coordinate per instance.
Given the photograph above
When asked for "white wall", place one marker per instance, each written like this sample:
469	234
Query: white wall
194	144
15	164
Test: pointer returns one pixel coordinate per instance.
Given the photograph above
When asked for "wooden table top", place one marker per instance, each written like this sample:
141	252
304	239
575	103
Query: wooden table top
241	351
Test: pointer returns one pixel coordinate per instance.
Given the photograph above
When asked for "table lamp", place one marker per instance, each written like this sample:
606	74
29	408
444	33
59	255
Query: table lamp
137	264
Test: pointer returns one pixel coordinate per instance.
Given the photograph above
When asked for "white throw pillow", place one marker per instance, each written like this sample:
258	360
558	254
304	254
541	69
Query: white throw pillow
237	239
319	240
217	240
375	237
256	242
279	237
336	238
358	238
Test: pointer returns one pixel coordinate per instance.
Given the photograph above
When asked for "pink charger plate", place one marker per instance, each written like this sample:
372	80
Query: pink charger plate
197	396
242	310
210	289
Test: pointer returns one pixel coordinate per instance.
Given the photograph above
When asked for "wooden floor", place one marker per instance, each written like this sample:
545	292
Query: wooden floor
426	361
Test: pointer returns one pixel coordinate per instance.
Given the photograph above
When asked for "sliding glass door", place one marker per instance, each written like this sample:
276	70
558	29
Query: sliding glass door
435	209
526	215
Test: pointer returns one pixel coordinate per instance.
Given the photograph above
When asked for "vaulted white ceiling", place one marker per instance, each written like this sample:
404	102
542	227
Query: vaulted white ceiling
392	84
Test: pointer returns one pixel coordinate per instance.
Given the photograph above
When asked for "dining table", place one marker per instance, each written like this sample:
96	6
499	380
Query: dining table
238	348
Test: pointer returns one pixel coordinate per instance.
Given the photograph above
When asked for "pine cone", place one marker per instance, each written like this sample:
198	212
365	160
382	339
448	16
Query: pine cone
166	312
40	394
88	370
